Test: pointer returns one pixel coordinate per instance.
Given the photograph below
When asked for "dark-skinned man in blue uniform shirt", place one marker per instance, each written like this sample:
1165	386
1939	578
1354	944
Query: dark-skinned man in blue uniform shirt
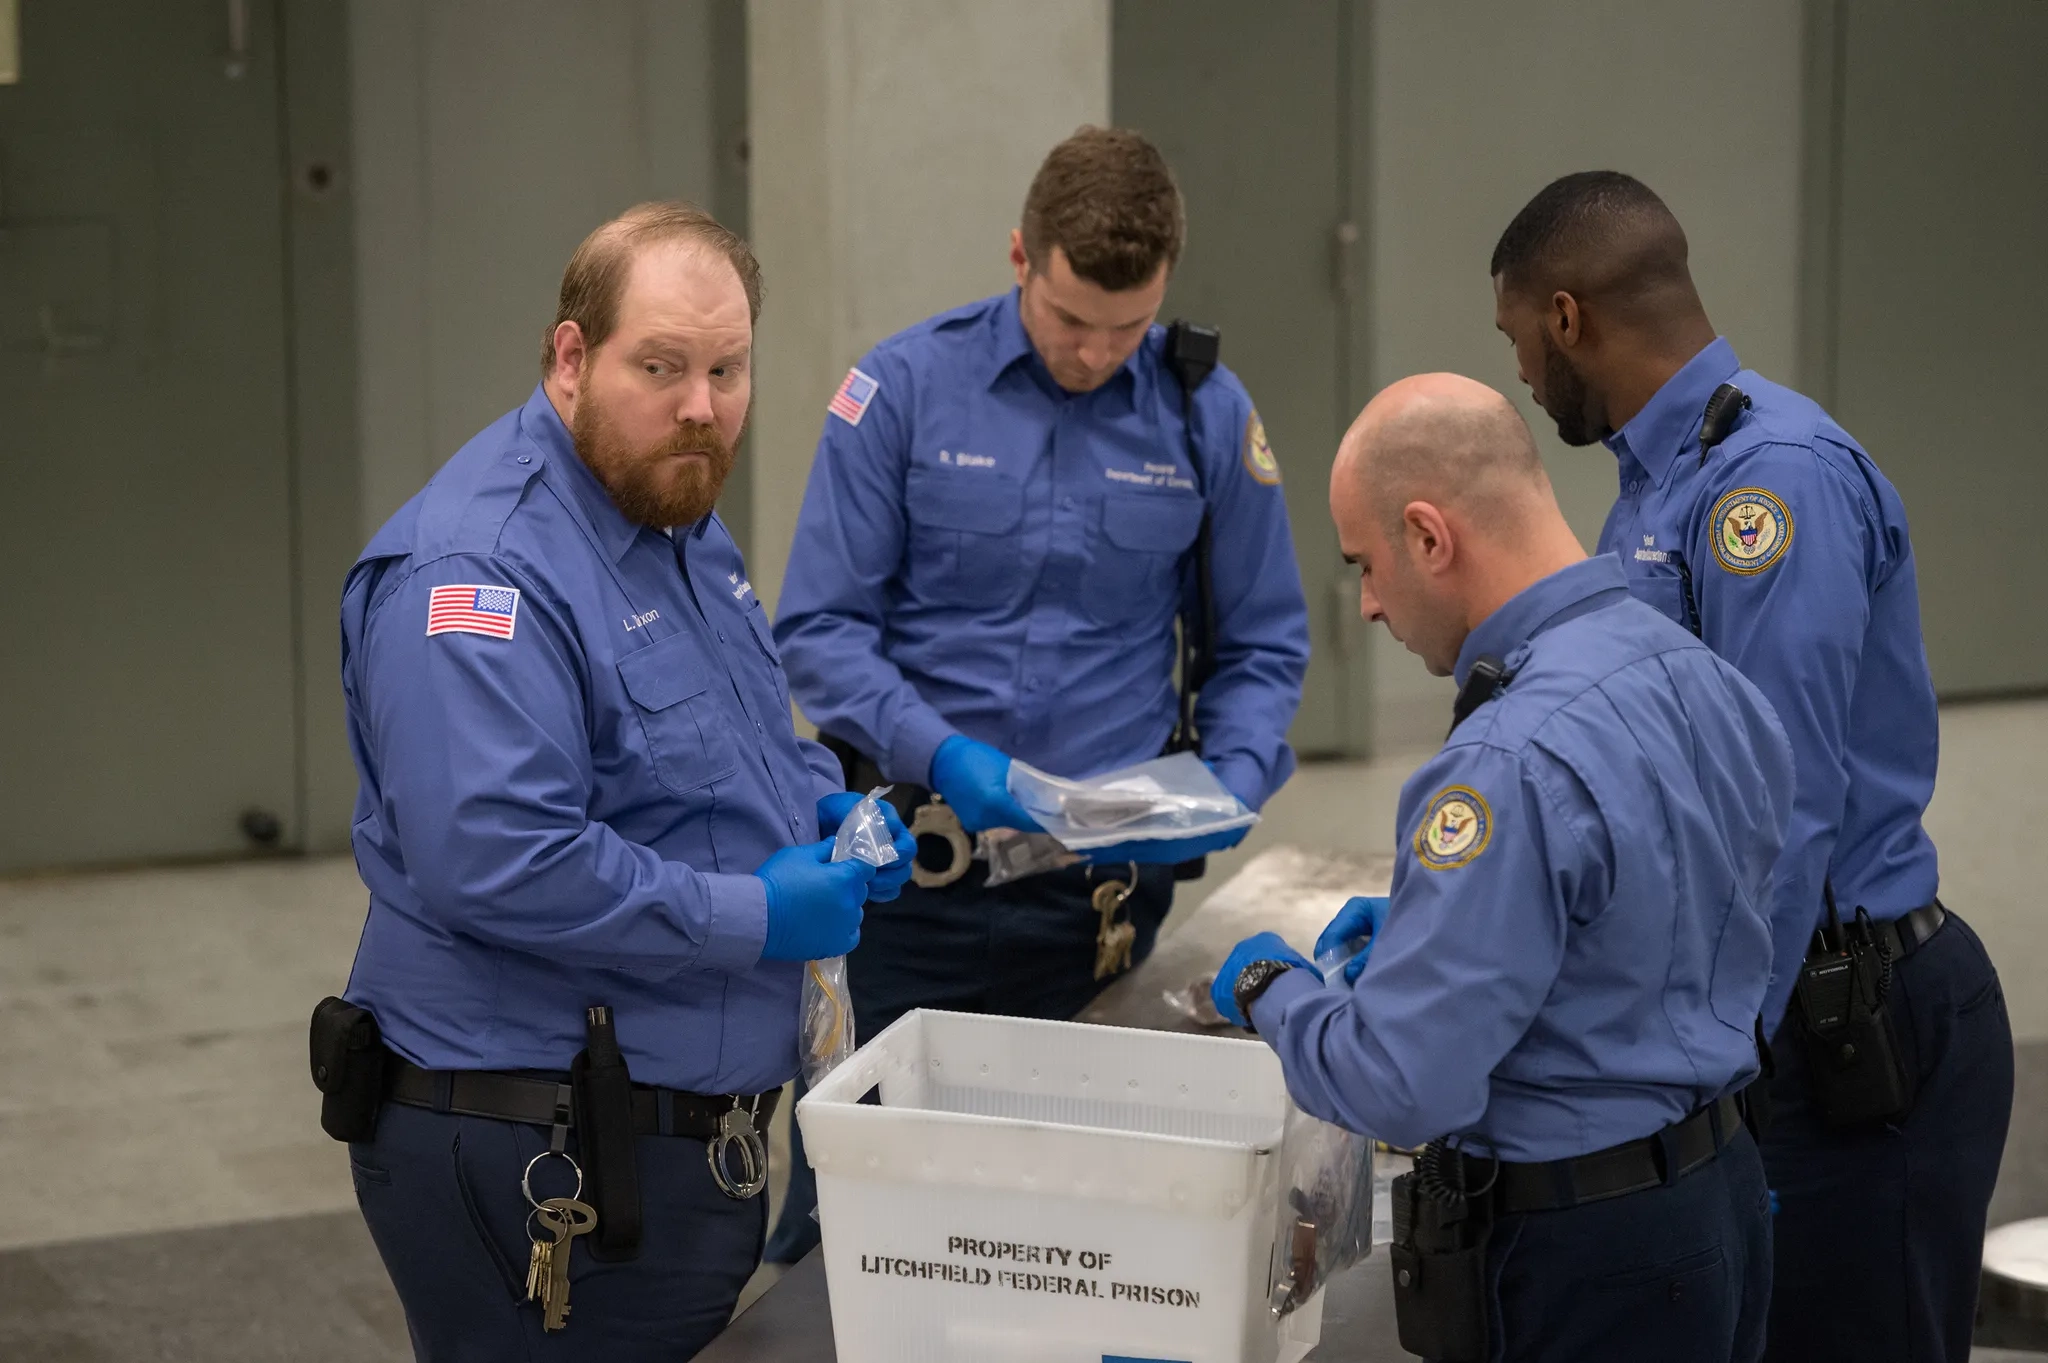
1000	532
1560	994
1749	516
581	786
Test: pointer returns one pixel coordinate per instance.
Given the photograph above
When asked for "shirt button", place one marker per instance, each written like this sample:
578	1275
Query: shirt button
1066	503
526	459
757	728
1031	683
721	636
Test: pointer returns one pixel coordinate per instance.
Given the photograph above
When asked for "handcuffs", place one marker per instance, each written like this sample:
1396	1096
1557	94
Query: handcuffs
936	819
736	1132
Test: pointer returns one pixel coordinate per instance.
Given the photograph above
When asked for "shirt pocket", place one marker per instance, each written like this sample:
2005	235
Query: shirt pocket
963	541
771	657
688	741
1661	586
1134	567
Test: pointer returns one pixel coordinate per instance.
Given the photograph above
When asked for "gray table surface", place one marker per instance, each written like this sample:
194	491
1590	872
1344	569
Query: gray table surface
1284	890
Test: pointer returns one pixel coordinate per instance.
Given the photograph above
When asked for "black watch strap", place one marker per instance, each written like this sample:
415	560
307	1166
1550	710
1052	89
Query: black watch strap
1252	982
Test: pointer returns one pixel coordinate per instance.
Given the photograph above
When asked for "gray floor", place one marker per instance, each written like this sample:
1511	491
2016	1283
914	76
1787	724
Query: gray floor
174	1198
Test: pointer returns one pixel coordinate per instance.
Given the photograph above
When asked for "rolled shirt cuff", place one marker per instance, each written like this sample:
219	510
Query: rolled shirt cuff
917	739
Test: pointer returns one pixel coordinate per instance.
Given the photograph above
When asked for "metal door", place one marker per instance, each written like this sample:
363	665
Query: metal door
1253	107
1937	217
146	672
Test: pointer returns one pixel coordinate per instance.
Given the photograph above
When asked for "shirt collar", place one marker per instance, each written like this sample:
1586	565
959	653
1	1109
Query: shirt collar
541	424
1658	434
1565	595
1010	344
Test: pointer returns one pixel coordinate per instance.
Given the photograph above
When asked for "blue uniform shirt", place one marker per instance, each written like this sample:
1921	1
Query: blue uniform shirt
1577	943
1802	576
981	552
566	789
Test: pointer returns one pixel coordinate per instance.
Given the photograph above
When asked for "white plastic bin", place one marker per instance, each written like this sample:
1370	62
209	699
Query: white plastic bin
1051	1192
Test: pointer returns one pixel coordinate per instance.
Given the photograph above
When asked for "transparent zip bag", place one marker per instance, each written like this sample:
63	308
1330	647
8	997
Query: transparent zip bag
1167	797
1325	1225
826	1018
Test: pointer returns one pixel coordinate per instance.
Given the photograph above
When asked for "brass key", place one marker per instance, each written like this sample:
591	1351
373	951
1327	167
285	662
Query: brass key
563	1219
1113	942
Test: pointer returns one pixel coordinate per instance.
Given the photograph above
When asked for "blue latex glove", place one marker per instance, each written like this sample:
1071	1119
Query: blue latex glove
1362	917
975	779
889	880
1267	946
1165	851
813	902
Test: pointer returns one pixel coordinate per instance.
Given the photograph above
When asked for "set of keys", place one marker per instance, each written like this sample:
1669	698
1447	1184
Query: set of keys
1114	940
553	1225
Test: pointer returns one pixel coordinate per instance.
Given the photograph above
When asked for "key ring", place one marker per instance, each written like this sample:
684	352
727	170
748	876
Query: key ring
526	1179
736	1130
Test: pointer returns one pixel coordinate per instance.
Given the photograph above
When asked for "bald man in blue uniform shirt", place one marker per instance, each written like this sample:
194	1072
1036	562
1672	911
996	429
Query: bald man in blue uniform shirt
1566	979
581	785
1774	537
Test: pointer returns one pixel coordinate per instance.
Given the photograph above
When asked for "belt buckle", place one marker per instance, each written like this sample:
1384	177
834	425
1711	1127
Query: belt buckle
736	1132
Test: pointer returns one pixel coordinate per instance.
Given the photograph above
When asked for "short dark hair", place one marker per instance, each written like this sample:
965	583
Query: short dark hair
1106	197
596	276
1591	232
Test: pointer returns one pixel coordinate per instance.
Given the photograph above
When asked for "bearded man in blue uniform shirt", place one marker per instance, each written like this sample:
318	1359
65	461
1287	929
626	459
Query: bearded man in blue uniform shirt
581	785
1765	529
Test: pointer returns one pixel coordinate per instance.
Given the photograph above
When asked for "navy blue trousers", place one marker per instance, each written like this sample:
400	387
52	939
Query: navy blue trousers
1880	1231
1026	949
1679	1274
441	1195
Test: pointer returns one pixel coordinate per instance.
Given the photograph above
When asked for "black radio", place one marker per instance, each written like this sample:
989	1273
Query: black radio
1843	1001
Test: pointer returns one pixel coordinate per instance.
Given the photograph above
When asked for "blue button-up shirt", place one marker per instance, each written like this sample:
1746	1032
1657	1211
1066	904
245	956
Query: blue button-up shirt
984	553
564	805
1578	939
1801	574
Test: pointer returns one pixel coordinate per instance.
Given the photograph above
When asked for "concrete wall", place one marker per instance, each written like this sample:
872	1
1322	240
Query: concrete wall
490	137
1477	105
890	148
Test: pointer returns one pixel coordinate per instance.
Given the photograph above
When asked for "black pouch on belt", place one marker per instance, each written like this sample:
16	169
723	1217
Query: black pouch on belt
1857	1069
348	1069
1442	1307
604	1130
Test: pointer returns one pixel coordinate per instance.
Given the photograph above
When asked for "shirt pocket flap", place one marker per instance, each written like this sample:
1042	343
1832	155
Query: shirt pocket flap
757	620
664	673
1149	523
984	503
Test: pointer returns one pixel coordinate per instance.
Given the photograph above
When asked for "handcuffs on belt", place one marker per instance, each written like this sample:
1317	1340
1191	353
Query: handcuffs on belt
936	819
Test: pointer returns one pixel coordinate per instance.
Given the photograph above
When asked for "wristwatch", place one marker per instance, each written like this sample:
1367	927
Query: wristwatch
1253	981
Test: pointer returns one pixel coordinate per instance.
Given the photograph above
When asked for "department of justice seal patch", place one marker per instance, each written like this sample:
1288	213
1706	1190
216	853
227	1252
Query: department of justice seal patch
1258	455
1752	529
1455	829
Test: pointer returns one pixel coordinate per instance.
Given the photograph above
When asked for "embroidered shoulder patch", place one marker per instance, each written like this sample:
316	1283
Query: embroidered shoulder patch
850	403
473	609
1258	454
1455	829
1752	529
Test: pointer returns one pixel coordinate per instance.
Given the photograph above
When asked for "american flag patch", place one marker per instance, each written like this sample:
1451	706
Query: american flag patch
473	610
850	403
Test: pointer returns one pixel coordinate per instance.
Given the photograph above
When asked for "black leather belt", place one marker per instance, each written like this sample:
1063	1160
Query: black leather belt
1901	937
523	1098
1633	1167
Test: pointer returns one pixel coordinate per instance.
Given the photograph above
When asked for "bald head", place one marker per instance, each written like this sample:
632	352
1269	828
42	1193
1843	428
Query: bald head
1449	441
1439	498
